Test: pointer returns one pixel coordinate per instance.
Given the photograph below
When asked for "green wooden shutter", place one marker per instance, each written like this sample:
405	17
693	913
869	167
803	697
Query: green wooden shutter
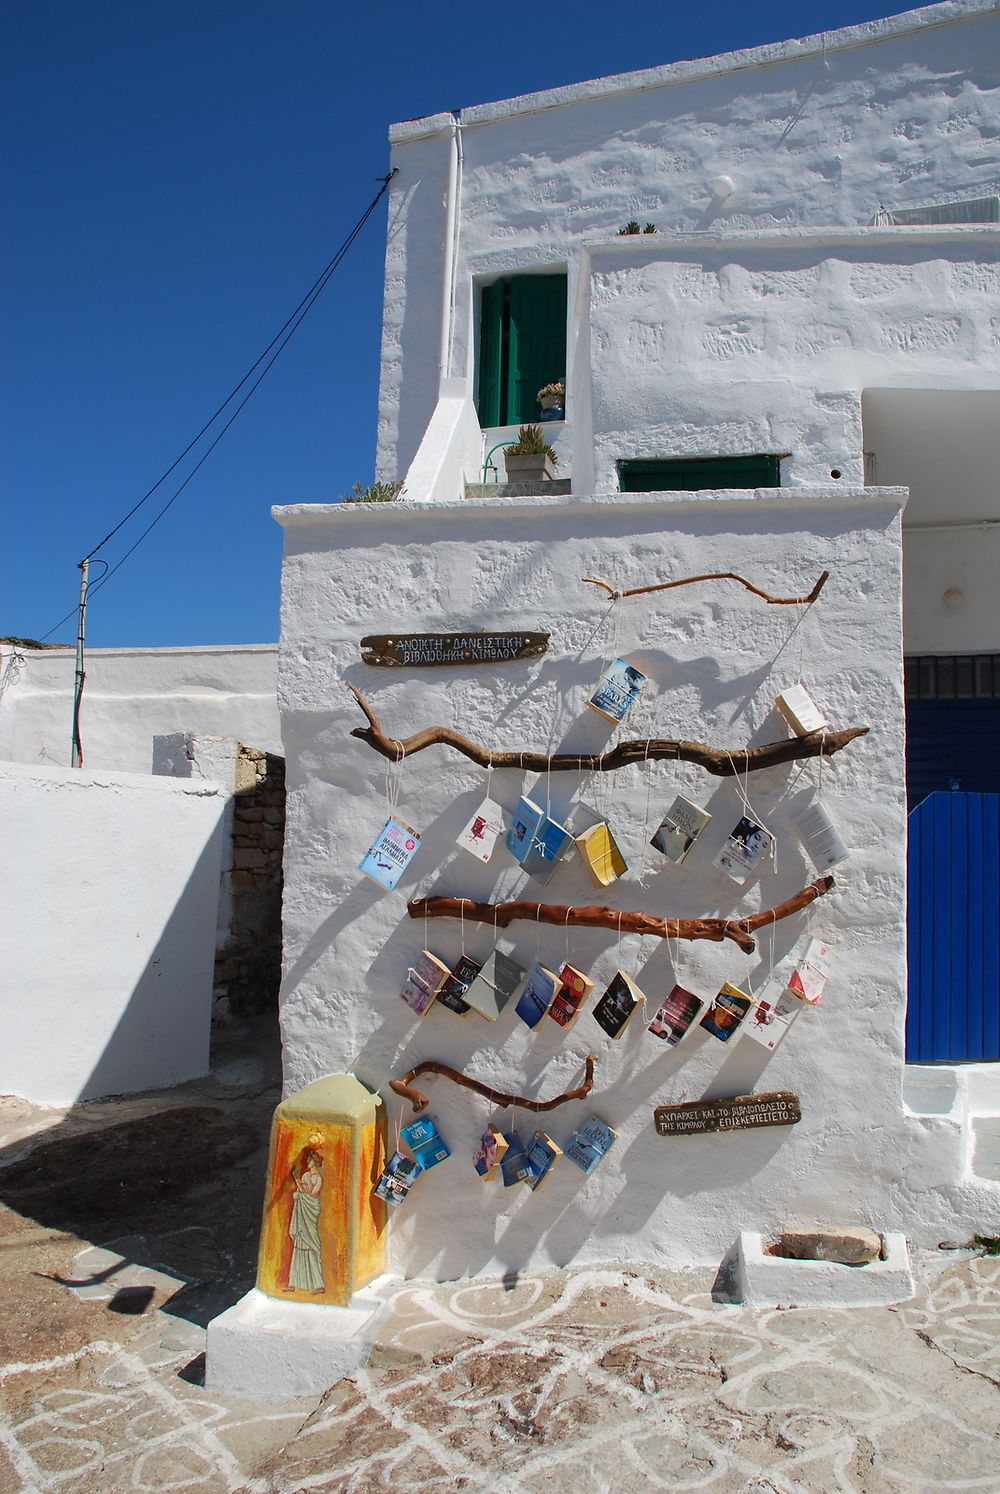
537	342
668	476
490	354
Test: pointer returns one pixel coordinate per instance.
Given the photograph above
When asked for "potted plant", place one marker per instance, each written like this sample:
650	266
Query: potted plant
552	398
530	458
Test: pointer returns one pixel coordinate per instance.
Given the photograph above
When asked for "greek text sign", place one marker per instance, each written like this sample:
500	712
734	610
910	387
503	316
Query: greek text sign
779	1107
421	649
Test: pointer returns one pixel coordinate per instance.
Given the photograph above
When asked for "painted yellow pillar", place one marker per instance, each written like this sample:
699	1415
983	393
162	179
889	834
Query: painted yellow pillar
323	1234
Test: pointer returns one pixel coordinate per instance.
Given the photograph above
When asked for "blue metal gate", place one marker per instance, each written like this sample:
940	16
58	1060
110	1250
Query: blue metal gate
953	935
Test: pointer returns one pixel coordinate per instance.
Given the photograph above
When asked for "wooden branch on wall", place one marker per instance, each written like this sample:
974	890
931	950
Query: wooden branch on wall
724	762
419	1100
739	930
641	591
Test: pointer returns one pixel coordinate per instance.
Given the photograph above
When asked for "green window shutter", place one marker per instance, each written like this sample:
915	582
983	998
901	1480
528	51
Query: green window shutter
490	354
668	476
537	342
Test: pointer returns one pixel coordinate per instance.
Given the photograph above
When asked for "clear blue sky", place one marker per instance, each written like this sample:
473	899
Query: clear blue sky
178	172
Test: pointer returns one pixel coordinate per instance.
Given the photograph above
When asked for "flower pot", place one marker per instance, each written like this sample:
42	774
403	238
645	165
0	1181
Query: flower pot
531	468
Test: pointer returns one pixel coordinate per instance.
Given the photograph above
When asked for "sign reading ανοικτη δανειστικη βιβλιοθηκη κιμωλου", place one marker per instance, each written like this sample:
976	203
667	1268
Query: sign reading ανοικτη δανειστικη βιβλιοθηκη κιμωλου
417	650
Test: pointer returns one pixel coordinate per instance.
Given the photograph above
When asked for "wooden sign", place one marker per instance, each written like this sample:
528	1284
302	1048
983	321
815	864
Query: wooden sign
421	649
779	1107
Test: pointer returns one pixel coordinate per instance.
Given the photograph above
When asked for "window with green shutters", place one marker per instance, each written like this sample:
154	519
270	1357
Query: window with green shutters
688	474
522	346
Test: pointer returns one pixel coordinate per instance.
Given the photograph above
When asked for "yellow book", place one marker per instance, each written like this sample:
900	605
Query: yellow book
600	854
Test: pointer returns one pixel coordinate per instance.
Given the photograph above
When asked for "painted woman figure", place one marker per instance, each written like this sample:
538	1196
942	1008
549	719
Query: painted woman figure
306	1270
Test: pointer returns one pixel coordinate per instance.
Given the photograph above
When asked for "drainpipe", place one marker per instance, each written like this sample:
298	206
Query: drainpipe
450	247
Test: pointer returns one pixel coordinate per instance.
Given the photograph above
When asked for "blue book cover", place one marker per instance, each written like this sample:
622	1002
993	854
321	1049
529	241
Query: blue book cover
524	822
618	689
536	998
391	853
514	1166
543	1154
398	1177
425	1142
590	1144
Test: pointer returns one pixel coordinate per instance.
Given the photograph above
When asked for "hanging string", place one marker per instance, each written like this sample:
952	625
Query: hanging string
538	934
566	936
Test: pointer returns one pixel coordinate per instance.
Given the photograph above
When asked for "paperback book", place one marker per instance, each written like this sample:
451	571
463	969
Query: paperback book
574	988
543	1154
800	710
748	845
495	984
675	1015
536	998
727	1012
617	691
590	1144
425	1142
600	854
424	981
514	1166
679	829
772	1018
489	1154
821	840
536	840
398	1177
391	853
453	991
480	834
808	978
618	1005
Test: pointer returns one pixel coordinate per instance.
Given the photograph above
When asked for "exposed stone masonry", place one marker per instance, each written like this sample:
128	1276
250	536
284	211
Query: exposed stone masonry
248	963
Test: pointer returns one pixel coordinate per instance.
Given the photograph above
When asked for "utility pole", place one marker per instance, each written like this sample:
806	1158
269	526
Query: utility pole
76	745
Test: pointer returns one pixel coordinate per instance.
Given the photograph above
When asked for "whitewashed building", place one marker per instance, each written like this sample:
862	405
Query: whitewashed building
811	331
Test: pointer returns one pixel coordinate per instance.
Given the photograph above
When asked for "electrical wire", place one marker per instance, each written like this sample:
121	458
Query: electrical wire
275	348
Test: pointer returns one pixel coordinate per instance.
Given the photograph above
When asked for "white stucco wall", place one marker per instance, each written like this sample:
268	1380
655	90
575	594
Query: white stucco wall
715	657
109	885
134	694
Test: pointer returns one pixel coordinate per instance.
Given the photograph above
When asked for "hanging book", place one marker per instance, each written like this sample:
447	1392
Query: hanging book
424	981
489	1153
543	1154
727	1011
800	711
536	840
807	980
619	1003
495	984
536	998
618	689
453	991
600	855
679	829
747	846
398	1177
675	1015
772	1019
514	1166
590	1144
424	1141
480	834
574	988
821	840
391	853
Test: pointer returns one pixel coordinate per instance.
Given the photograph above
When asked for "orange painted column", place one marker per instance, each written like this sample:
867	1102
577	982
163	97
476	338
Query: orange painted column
323	1234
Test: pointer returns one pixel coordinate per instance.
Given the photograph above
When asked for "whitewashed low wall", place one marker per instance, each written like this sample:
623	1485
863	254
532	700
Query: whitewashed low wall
134	694
109	885
715	656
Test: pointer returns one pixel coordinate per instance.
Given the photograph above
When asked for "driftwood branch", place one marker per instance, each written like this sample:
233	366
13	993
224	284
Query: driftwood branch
419	1100
724	762
738	930
641	591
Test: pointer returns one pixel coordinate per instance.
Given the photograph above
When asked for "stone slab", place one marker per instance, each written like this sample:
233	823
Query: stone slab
268	1349
764	1280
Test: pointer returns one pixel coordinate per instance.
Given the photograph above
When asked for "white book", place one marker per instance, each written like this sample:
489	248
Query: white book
821	840
771	1019
480	834
800	710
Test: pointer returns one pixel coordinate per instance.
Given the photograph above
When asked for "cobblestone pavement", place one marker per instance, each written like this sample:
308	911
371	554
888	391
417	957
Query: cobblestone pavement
587	1381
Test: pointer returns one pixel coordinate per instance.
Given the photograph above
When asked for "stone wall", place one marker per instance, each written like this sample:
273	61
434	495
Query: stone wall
248	963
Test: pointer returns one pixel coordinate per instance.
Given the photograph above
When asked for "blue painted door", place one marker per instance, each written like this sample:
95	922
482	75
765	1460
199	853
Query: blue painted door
953	1002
